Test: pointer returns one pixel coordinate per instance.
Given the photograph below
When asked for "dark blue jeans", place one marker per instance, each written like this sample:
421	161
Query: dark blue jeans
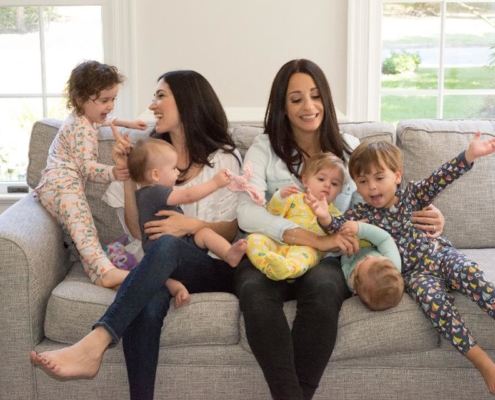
142	303
292	361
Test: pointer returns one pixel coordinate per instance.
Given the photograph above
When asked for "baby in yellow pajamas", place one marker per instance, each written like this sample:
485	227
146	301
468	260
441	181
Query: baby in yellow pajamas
323	173
91	91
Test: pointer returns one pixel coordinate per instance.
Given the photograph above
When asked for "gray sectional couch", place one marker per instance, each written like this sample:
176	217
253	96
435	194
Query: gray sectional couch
46	301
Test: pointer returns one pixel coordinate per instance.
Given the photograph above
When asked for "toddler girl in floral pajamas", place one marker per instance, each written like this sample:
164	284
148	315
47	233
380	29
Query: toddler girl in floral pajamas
430	268
72	159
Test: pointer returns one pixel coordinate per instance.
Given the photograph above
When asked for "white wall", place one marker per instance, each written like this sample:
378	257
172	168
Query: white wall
239	45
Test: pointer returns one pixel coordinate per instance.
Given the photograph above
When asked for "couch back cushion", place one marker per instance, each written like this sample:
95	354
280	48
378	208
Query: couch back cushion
106	219
467	204
243	135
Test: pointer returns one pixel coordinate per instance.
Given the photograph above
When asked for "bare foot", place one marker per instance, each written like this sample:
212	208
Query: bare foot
236	252
181	297
488	374
80	361
112	279
484	364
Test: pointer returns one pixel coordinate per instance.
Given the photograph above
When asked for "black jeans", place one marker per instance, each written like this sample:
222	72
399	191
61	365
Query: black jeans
292	361
142	303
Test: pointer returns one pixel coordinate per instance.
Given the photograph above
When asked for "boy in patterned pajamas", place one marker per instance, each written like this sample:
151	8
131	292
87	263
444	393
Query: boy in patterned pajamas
430	268
90	91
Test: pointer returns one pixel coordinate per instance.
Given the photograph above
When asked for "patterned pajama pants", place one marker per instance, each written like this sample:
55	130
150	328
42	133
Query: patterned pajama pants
71	210
280	261
430	283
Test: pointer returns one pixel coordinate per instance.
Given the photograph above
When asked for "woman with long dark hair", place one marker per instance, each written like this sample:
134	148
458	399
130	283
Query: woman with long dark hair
188	115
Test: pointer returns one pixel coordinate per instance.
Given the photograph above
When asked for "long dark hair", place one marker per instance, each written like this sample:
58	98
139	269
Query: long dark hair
277	125
202	116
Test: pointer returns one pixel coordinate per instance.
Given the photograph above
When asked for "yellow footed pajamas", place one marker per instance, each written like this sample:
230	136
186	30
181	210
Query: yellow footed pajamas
280	261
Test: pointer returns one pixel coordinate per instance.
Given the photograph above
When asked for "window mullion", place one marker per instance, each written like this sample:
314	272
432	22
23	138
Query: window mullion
441	63
41	17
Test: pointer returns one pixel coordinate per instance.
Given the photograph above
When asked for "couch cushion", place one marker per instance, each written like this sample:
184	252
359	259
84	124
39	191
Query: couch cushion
243	135
370	131
76	304
468	204
105	217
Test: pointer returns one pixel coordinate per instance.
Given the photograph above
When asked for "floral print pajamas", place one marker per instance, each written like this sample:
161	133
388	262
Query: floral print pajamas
71	161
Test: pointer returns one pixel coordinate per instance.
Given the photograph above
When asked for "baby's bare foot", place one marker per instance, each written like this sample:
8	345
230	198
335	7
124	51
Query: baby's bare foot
236	252
79	361
181	297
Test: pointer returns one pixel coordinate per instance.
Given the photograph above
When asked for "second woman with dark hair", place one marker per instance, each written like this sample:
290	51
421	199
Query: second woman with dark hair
190	117
300	121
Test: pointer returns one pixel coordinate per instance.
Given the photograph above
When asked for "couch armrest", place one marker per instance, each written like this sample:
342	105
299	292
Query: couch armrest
34	260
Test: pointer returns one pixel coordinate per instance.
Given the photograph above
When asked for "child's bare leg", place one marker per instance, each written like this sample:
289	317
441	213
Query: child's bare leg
230	253
178	291
80	361
112	279
484	364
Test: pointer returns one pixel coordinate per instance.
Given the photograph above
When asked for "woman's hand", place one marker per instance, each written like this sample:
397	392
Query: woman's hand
176	224
430	220
348	245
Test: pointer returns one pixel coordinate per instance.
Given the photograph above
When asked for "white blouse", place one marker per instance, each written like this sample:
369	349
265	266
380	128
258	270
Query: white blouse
218	206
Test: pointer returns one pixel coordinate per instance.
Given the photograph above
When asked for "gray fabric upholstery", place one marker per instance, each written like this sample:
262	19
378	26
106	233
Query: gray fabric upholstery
468	204
48	302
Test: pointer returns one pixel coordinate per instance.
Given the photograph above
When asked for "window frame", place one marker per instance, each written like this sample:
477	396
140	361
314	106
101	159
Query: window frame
364	61
119	48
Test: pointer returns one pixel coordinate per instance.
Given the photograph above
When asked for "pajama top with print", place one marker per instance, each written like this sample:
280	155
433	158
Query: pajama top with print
431	269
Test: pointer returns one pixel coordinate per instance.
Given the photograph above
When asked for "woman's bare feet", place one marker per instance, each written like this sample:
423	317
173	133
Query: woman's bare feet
80	361
181	297
484	364
235	253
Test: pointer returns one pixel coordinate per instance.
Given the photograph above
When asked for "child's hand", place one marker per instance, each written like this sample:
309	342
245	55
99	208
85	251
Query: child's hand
181	297
318	206
478	148
288	190
350	228
221	178
137	124
121	148
121	173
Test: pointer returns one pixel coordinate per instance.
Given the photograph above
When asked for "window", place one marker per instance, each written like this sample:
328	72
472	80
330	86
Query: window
40	43
433	59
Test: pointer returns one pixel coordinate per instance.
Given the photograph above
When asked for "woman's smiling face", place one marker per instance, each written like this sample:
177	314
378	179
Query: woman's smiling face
165	109
303	104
